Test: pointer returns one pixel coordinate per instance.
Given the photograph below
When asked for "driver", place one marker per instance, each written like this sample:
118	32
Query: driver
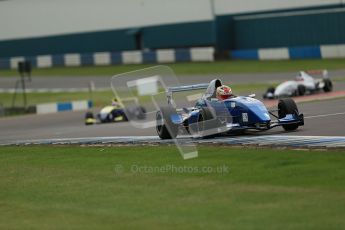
223	92
115	102
299	77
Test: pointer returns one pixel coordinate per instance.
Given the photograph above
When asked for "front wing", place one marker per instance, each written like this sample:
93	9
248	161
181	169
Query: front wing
289	119
229	127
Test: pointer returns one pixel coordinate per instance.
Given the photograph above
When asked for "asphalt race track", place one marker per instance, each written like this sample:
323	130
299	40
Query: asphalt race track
322	118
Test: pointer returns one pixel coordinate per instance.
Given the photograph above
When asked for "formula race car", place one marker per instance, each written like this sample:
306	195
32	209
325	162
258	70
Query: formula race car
302	85
211	116
115	113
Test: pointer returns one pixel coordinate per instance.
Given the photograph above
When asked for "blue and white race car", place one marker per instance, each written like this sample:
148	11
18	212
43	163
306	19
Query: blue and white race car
210	116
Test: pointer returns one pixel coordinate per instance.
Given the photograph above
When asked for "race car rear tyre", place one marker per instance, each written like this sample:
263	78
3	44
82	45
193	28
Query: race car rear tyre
301	90
287	106
165	128
125	118
141	113
328	85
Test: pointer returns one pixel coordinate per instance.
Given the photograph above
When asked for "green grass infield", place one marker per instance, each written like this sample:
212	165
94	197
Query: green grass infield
153	187
195	68
100	98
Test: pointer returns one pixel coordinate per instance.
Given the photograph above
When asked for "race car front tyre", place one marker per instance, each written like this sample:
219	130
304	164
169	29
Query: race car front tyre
89	115
328	87
301	90
269	93
165	128
206	114
287	106
271	89
89	118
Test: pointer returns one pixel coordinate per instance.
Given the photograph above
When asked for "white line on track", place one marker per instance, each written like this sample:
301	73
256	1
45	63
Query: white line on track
325	115
274	140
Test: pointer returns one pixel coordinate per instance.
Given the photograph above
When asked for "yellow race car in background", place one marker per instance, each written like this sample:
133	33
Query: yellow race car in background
115	112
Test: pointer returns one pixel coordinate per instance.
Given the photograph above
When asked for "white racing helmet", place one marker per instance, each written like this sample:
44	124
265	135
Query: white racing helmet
223	92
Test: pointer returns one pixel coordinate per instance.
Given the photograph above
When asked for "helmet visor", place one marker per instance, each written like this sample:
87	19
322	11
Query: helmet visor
223	97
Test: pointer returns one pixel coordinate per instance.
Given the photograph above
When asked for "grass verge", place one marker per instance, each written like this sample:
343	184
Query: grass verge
132	187
100	98
219	67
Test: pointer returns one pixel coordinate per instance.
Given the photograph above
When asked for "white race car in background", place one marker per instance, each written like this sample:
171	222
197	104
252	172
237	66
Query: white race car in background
302	85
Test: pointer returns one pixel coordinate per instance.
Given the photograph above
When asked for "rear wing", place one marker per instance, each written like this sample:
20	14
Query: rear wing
183	88
321	72
187	88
